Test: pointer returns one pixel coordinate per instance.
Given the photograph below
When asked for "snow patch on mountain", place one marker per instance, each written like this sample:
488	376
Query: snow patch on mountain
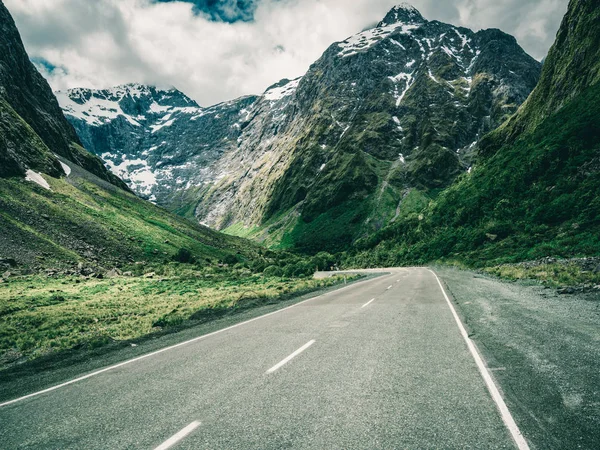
161	125
157	109
136	172
37	178
369	38
65	168
408	80
277	93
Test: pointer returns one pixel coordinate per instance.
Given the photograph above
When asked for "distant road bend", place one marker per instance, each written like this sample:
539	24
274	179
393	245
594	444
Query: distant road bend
383	363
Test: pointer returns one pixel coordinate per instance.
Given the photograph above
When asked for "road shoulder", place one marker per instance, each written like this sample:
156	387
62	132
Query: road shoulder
542	349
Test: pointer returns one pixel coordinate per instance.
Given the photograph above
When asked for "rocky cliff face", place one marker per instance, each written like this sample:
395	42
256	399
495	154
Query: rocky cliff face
159	141
533	191
393	109
30	116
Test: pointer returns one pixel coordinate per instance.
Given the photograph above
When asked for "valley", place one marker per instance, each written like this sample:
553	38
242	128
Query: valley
398	249
383	120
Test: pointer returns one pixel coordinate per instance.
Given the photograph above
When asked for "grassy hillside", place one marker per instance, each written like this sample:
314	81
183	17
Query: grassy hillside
572	65
85	220
536	197
21	147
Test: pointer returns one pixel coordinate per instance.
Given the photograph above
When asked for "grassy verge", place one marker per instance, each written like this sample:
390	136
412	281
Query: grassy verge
568	275
556	275
40	315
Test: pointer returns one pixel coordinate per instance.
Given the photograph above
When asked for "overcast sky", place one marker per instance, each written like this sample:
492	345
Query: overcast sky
216	50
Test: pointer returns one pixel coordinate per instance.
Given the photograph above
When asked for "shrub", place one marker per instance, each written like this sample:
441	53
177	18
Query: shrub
324	261
184	255
273	271
288	270
230	260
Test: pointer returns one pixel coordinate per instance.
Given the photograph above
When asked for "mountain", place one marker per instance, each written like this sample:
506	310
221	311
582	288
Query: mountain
29	112
381	122
60	208
572	65
159	141
534	191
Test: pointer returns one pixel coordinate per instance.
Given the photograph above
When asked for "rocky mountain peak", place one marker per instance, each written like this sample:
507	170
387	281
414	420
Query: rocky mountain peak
132	102
389	110
132	91
403	13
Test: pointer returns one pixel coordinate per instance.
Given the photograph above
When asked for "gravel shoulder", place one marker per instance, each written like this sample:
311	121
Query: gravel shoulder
543	348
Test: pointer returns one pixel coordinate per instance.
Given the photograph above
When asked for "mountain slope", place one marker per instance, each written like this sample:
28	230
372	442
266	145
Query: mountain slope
392	112
159	141
21	148
536	195
83	220
25	92
393	109
572	65
54	212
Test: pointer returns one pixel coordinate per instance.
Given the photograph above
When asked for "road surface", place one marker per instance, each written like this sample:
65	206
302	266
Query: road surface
379	364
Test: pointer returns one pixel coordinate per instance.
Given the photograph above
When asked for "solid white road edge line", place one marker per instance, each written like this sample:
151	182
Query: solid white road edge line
368	303
179	436
181	344
487	377
292	356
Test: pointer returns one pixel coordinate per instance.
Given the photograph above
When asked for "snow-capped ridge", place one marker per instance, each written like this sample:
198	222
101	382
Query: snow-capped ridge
402	18
404	13
97	107
134	91
283	89
369	38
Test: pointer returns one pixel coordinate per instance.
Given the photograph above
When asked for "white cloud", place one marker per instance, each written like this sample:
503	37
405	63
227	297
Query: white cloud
101	43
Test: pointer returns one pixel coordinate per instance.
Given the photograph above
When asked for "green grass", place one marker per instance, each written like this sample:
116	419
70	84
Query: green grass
241	230
338	226
41	315
88	220
553	275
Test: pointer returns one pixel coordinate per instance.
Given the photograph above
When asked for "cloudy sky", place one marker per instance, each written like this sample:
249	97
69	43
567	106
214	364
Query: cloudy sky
215	50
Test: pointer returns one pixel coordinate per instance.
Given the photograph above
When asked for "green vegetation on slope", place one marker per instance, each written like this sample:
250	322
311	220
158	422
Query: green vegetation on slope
21	147
86	220
356	196
536	197
572	65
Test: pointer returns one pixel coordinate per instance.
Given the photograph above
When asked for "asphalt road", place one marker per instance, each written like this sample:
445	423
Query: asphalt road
379	364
